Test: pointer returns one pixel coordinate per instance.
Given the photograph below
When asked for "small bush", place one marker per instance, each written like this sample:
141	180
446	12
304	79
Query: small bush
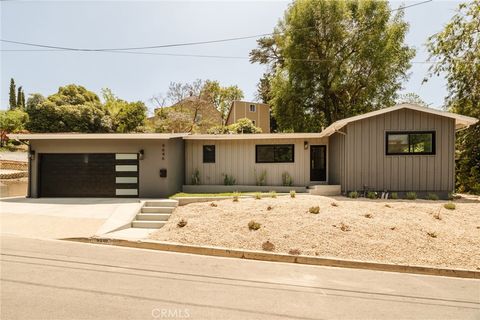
432	196
432	234
411	195
368	216
258	196
269	208
388	206
314	210
394	196
449	206
268	246
182	223
353	194
196	177
261	179
236	195
228	180
287	180
334	204
294	252
273	194
293	194
371	195
451	196
213	204
252	225
343	226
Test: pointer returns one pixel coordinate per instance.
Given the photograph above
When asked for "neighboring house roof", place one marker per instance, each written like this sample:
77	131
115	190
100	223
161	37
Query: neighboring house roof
461	122
97	136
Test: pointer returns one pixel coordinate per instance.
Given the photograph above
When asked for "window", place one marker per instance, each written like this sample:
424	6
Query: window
209	154
253	108
415	142
271	153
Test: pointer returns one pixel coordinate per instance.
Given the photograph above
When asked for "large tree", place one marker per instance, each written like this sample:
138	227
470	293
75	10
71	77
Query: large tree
126	116
12	95
333	59
456	54
220	97
11	121
20	99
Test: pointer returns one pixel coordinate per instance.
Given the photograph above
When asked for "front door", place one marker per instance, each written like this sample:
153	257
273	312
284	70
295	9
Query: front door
318	163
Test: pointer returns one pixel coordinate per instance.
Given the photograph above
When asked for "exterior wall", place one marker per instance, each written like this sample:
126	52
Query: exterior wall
241	109
337	159
367	165
237	158
150	183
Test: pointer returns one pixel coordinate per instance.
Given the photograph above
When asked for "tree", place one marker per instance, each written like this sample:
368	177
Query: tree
333	59
12	97
20	99
126	116
456	54
243	125
11	121
411	98
220	97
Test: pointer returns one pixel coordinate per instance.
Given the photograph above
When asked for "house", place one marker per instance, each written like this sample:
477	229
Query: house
396	149
259	113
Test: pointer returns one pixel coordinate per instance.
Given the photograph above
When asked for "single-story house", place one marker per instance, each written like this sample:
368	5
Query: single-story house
397	149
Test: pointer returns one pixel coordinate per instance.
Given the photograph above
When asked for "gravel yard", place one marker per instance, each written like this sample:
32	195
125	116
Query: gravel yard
419	232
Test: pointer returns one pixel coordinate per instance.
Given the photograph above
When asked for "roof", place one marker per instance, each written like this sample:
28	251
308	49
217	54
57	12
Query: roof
256	136
97	136
461	122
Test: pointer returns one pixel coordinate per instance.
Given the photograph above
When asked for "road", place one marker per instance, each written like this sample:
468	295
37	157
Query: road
53	279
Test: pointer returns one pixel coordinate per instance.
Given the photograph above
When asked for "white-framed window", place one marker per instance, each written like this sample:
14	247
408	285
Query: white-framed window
253	108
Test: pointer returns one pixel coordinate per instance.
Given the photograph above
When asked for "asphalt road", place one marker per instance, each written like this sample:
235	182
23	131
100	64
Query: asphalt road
52	279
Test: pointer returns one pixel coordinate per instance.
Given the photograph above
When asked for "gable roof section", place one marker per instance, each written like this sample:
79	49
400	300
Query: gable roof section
461	122
95	136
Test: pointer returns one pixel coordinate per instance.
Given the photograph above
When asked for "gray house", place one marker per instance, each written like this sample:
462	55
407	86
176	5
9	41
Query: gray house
397	149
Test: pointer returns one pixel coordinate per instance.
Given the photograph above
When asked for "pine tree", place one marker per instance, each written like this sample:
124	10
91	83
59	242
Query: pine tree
19	98
23	100
12	97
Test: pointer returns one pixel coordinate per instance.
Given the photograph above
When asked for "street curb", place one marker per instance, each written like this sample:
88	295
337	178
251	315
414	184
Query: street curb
278	257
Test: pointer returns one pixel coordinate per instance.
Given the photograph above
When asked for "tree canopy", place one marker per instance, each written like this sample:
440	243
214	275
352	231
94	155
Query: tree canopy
11	121
332	59
126	116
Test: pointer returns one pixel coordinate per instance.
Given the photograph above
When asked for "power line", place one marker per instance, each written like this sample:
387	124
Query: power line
174	44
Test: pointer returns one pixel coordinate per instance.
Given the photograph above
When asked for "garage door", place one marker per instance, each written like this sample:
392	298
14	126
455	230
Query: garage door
88	175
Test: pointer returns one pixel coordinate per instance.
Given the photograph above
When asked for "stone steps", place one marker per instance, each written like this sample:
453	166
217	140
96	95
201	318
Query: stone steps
154	214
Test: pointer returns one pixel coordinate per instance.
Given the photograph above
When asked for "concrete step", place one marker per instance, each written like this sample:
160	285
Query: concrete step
147	224
161	203
157	209
153	216
326	190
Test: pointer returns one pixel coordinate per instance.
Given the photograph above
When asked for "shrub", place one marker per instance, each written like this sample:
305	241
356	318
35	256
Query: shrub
236	195
268	246
394	196
294	252
334	204
388	206
343	227
213	204
287	180
411	195
432	196
273	194
314	210
371	195
450	196
252	225
261	179
228	180
432	234
292	194
353	194
368	216
182	223
449	206
196	177
258	195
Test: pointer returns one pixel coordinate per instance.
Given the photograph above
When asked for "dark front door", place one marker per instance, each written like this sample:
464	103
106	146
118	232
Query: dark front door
318	163
77	175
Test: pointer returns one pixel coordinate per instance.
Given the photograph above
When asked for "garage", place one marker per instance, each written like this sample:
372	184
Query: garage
88	175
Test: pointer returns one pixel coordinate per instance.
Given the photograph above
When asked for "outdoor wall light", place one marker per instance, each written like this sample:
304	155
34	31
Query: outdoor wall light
31	155
305	145
141	154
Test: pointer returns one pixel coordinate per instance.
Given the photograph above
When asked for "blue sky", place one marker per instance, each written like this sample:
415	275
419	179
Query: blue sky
94	24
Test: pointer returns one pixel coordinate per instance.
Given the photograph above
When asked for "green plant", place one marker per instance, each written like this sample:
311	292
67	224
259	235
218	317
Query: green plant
451	196
411	195
371	195
287	180
252	225
268	246
273	194
261	179
182	223
228	180
294	252
293	194
258	195
314	210
196	177
353	194
388	206
432	196
449	206
394	196
236	195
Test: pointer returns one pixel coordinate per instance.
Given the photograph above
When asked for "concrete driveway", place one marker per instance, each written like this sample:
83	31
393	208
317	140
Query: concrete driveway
62	217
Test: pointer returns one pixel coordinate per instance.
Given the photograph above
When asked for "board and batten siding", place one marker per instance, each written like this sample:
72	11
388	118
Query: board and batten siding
367	165
237	158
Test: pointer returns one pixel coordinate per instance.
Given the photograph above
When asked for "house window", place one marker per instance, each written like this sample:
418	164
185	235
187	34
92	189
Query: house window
209	154
410	143
253	108
274	153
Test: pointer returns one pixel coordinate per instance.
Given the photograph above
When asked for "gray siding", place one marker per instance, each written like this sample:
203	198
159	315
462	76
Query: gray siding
366	163
336	158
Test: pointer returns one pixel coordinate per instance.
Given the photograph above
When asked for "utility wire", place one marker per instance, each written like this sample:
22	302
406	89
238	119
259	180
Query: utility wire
171	45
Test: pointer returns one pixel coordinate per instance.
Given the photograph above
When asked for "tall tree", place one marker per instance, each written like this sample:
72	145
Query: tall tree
333	59
220	97
456	53
20	99
12	97
126	116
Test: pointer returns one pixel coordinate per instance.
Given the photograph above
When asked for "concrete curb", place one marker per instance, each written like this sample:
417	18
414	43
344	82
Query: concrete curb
278	257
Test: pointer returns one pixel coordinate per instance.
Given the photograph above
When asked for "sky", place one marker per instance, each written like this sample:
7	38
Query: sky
133	77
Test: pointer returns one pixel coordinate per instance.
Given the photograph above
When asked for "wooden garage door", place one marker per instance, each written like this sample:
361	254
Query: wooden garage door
86	175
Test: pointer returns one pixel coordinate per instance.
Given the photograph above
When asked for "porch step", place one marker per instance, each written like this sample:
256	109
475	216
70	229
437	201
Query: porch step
153	216
325	190
169	203
148	224
157	209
